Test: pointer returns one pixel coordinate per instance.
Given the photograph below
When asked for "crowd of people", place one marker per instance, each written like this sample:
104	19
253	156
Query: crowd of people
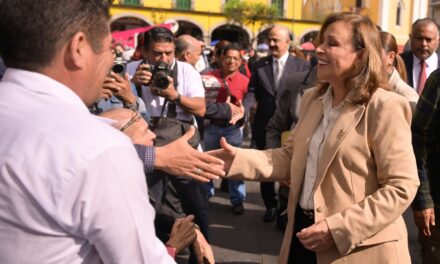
103	165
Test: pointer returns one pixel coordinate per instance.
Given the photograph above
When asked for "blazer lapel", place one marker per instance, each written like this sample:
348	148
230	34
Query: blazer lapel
350	116
302	141
269	73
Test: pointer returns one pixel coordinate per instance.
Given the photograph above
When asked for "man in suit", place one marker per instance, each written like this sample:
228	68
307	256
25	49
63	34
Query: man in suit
422	59
268	79
283	120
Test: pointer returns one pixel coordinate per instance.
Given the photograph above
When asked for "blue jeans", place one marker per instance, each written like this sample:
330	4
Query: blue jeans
233	136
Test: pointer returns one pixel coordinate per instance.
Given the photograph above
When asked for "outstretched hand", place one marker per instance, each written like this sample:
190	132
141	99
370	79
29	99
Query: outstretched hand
226	154
180	159
237	114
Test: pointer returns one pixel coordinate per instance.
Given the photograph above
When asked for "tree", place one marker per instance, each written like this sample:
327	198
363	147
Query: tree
249	14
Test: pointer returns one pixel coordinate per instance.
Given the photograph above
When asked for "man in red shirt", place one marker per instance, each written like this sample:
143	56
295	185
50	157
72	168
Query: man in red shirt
233	87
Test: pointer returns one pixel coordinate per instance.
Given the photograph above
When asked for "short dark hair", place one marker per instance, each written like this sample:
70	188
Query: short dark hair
31	32
232	46
157	34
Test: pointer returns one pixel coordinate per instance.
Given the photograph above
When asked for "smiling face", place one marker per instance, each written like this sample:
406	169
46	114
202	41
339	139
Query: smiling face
336	54
231	61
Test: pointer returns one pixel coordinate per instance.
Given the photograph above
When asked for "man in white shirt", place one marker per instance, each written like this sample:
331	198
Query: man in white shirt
72	189
185	91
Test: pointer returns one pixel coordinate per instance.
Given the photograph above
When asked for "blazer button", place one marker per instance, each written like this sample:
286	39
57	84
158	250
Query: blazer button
319	209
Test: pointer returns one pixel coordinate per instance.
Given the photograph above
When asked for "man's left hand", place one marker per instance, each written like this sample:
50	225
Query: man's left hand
120	87
316	237
169	93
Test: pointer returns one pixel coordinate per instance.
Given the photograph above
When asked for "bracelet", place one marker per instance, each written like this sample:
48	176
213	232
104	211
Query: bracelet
177	99
133	106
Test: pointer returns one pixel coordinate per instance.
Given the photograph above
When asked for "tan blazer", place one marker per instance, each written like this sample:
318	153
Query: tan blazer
367	177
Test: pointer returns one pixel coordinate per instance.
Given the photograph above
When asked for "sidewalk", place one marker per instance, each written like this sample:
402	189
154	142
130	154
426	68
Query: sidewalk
243	238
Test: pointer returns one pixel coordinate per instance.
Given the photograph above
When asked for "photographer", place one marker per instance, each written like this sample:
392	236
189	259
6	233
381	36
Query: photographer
158	78
189	96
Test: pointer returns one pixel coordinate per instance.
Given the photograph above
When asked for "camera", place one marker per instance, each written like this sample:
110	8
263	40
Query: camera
119	67
160	73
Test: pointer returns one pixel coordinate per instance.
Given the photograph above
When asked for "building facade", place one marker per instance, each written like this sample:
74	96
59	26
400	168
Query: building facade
205	19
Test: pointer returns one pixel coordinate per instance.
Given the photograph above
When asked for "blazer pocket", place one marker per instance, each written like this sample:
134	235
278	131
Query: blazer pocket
392	232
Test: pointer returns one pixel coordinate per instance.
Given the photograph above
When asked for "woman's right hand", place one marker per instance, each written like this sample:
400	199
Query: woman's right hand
226	153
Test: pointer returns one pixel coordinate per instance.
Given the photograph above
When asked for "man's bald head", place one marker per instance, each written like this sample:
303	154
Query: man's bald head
188	49
278	40
132	124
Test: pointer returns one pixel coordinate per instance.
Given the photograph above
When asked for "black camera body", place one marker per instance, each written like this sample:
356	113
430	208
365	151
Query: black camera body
160	73
119	67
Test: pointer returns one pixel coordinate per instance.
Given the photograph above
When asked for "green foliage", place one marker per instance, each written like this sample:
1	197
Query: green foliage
249	13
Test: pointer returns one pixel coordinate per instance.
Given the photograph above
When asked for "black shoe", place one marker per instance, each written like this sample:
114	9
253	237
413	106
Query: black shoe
238	209
270	214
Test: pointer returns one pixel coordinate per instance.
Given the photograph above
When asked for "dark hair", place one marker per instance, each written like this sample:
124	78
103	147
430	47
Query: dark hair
389	44
220	47
367	73
424	21
232	46
157	34
32	32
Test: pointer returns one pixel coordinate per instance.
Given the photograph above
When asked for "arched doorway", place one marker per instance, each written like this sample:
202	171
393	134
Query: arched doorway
186	27
231	33
126	23
311	36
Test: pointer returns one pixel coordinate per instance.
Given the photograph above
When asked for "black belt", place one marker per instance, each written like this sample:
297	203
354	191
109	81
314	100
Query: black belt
310	213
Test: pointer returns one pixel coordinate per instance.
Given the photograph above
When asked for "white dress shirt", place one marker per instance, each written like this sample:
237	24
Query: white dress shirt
189	85
316	146
278	67
72	189
431	65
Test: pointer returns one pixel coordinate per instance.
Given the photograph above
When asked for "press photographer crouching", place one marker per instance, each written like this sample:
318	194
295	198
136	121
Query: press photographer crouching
172	106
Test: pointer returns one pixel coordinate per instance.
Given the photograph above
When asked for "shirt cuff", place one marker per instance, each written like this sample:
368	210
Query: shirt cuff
150	154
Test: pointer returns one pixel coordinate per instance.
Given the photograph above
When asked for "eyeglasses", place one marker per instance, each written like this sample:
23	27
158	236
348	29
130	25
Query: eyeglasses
134	118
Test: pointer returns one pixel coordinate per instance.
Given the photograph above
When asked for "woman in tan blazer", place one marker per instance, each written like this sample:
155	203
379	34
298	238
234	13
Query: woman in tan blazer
349	158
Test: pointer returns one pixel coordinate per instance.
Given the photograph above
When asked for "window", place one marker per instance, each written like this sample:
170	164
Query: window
359	4
183	4
398	14
279	6
131	2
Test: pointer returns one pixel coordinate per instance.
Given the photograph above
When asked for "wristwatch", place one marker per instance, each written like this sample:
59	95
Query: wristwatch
177	99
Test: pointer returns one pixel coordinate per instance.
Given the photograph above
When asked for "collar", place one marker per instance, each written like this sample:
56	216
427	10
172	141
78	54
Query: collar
430	61
42	84
283	58
327	99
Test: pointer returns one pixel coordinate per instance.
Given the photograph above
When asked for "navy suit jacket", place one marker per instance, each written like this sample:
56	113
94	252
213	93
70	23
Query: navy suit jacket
408	58
262	90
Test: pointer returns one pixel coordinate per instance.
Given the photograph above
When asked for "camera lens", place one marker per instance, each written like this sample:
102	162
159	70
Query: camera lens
118	68
161	81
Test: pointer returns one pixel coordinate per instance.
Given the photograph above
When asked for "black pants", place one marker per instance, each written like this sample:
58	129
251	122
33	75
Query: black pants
298	253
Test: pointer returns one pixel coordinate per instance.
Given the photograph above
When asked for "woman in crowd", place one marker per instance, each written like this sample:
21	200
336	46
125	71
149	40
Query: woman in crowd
349	159
395	69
